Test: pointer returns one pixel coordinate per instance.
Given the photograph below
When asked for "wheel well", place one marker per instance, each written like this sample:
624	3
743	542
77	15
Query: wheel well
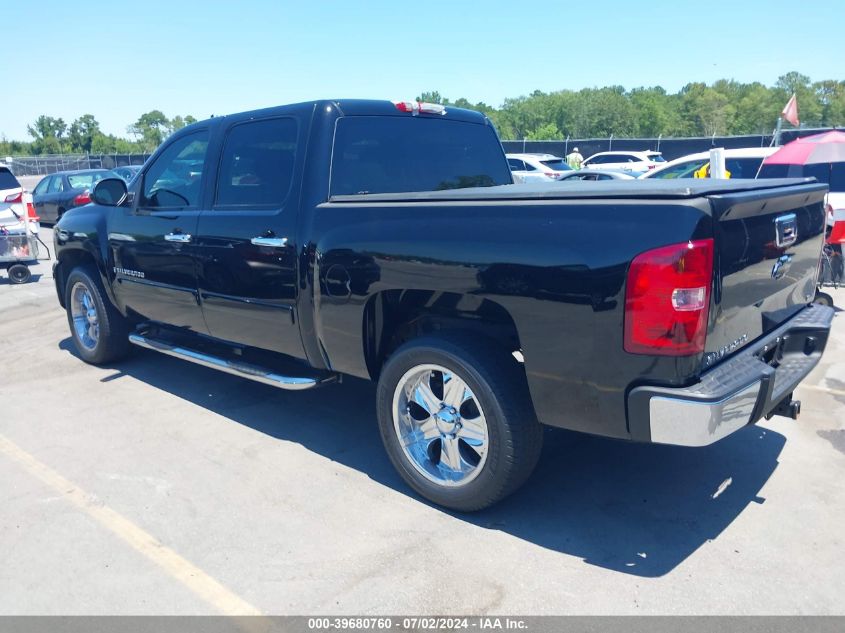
395	316
69	260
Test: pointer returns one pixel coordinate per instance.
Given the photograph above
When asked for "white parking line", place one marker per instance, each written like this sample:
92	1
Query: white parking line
191	576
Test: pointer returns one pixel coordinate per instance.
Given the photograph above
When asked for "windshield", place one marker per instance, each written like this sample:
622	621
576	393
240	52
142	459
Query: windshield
686	169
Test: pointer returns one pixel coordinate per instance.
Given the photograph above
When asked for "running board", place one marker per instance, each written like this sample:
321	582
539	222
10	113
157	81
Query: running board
244	370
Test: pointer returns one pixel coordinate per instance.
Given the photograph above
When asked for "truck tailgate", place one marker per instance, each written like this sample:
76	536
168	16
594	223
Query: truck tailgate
768	243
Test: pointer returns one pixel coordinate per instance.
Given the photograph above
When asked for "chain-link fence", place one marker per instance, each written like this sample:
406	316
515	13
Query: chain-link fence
51	163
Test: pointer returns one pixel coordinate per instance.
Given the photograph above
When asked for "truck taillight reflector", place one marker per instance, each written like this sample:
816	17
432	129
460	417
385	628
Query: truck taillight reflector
667	299
417	107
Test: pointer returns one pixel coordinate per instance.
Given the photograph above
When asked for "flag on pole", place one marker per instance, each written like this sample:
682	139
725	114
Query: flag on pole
790	110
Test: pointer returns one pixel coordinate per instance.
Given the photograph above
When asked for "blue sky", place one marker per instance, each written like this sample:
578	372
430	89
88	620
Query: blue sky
116	60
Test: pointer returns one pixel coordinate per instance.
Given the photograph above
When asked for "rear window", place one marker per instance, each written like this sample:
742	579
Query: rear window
86	181
8	180
656	158
557	165
397	154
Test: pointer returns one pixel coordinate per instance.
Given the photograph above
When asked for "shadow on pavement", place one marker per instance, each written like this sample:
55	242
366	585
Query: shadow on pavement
634	508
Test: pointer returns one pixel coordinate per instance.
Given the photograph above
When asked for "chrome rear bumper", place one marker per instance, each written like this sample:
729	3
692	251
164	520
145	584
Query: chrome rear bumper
739	391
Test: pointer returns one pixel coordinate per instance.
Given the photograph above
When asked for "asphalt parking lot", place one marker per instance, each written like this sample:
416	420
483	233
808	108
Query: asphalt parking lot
155	486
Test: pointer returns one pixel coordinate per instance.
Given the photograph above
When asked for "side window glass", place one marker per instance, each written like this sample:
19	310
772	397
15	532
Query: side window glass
174	180
42	186
516	164
55	185
256	167
530	167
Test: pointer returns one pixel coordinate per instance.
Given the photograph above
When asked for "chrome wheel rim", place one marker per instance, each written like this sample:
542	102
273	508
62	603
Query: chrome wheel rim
440	425
83	311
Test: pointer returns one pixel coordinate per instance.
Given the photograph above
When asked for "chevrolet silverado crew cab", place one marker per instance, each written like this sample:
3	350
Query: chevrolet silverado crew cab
382	240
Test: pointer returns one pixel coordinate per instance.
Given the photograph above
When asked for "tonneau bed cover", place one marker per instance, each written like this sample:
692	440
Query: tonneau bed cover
613	189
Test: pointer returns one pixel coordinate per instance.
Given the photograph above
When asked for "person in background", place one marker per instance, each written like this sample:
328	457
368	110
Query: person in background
574	159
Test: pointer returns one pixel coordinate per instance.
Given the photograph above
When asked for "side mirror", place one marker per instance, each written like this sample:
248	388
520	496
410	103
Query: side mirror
109	192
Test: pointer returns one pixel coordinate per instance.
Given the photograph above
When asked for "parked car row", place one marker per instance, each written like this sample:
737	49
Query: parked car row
617	165
739	163
58	192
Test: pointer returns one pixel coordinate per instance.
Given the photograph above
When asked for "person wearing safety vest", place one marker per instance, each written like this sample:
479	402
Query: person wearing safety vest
704	172
574	159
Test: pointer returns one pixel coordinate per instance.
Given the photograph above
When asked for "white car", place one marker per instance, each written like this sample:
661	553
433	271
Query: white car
596	174
536	167
634	162
12	202
740	163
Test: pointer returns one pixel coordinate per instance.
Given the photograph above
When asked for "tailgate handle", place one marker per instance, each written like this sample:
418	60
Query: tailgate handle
786	230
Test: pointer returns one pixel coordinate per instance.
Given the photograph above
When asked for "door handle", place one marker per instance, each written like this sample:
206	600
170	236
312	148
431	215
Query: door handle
277	242
182	238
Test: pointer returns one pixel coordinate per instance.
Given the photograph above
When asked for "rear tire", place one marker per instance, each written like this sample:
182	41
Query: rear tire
457	421
59	214
99	331
19	274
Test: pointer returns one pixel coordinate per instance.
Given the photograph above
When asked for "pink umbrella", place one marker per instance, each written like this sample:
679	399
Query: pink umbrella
828	147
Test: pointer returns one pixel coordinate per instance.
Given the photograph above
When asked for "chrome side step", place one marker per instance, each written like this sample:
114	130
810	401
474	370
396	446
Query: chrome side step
244	370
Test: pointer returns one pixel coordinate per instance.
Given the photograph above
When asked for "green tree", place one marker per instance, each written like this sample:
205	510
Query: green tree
655	112
152	128
49	135
178	122
546	132
809	108
82	133
706	110
831	96
433	97
757	110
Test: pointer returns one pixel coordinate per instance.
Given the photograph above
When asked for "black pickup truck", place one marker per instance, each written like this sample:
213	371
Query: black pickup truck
386	241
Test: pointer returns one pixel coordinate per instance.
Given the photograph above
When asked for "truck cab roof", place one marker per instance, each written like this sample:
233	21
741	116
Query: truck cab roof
354	107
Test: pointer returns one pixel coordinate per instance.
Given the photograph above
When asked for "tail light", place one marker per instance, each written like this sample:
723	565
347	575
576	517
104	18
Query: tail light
652	166
14	197
82	198
667	299
551	174
30	212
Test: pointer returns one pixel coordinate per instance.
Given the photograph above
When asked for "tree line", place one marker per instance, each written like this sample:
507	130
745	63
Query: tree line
726	107
83	136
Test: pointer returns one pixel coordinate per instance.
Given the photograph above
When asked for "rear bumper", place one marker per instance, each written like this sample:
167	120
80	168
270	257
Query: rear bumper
739	391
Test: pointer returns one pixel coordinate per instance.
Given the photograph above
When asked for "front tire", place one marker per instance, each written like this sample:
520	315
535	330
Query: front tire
457	421
99	331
